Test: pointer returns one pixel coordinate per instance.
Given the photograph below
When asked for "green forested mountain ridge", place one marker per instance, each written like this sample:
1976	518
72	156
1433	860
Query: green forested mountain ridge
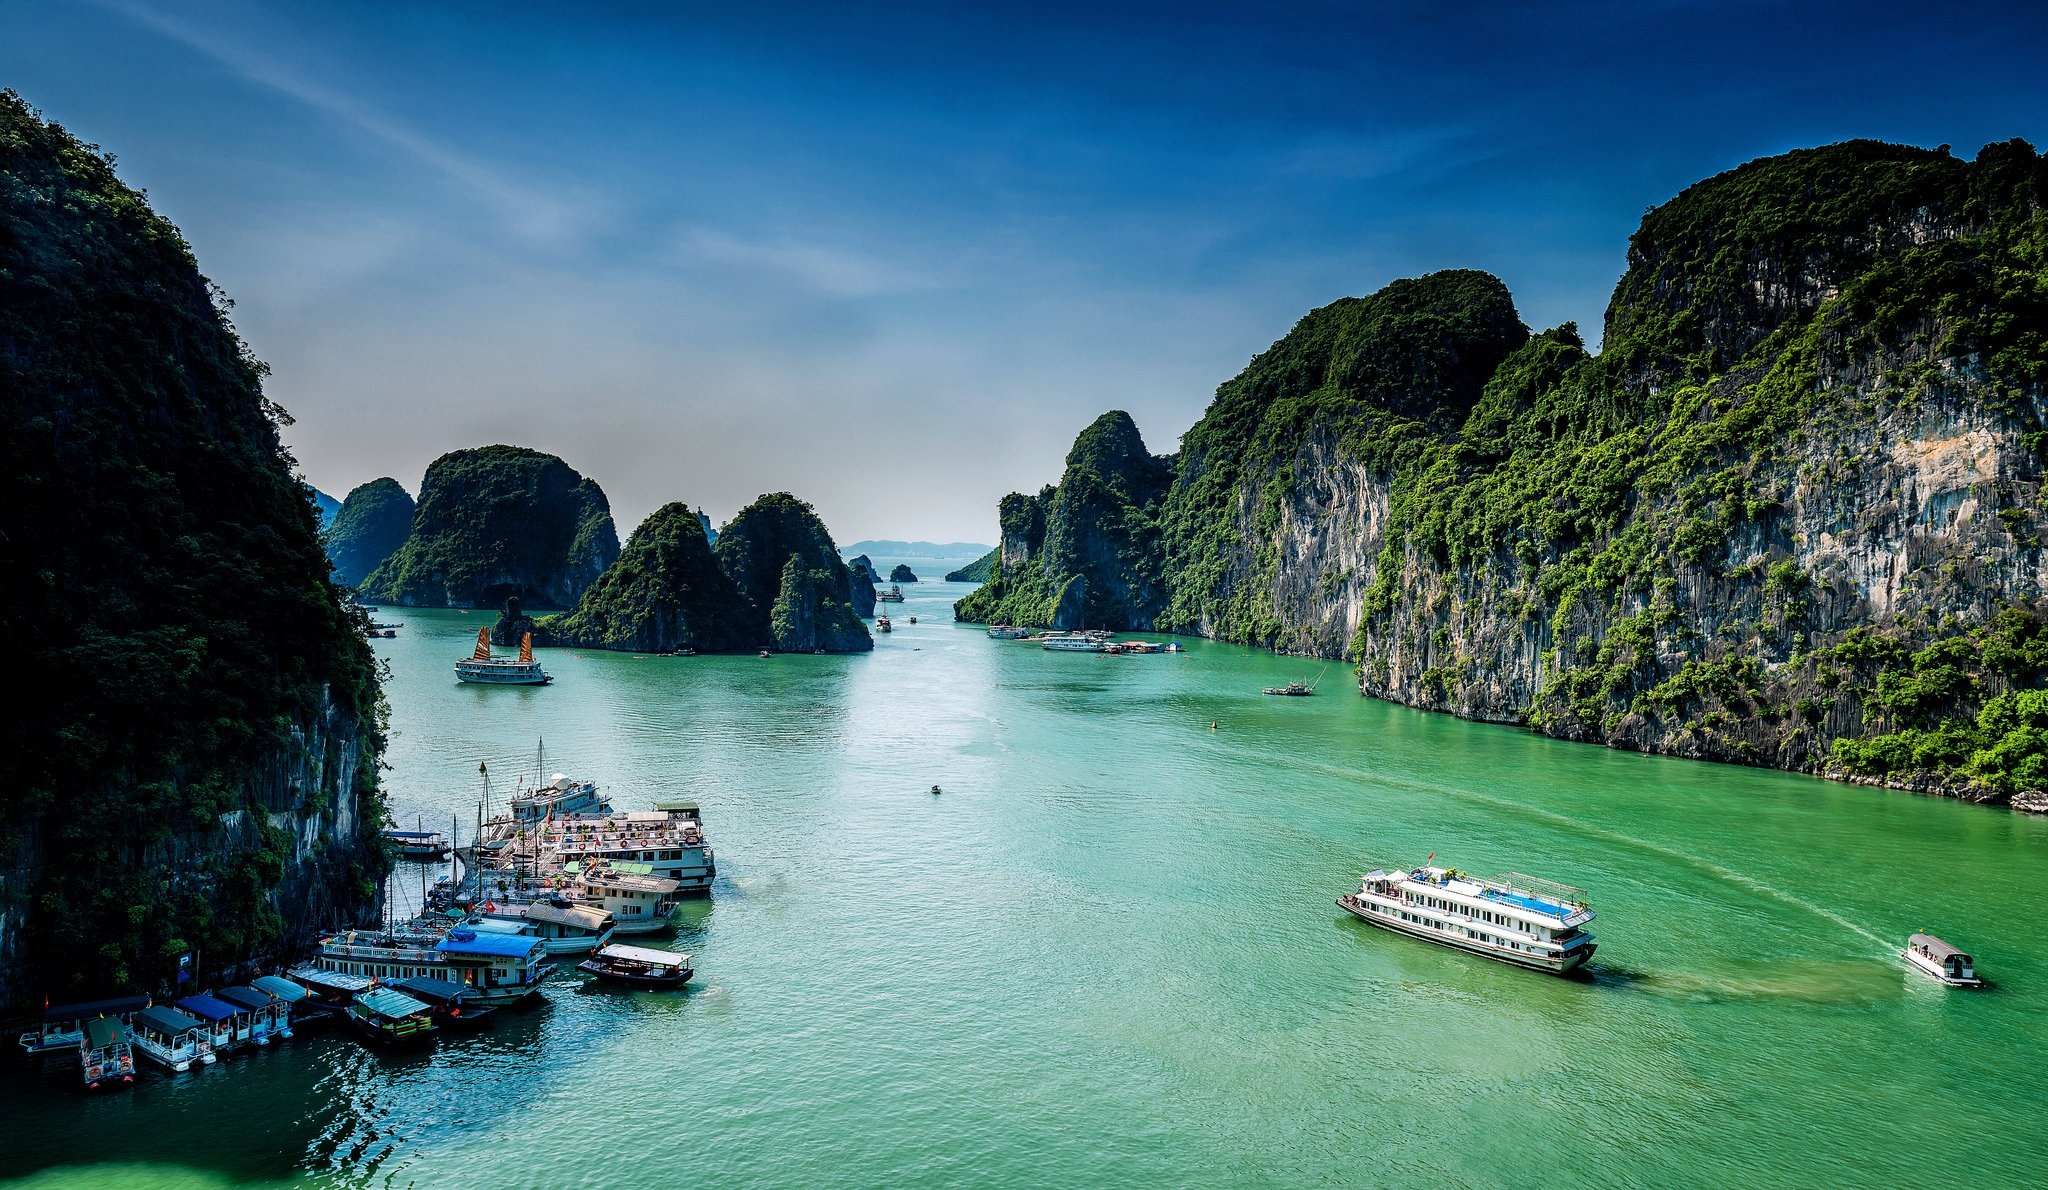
499	521
664	592
373	521
1790	514
977	571
196	763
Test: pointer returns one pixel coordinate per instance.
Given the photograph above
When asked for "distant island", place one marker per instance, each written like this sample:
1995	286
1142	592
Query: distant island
902	574
916	549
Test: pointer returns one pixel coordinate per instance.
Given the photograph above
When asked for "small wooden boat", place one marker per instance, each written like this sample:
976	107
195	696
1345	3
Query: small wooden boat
420	846
639	967
104	1057
391	1019
1938	960
1292	690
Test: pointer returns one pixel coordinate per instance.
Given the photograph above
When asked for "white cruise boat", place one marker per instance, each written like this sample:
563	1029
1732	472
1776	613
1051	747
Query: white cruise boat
638	903
1510	918
497	968
1077	642
893	595
1938	959
484	669
561	797
667	840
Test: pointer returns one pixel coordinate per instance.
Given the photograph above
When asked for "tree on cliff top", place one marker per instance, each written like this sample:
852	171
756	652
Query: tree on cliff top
756	546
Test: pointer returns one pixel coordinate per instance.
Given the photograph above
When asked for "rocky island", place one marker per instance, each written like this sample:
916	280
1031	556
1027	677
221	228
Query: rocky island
1789	515
795	591
373	521
496	522
666	592
902	573
197	766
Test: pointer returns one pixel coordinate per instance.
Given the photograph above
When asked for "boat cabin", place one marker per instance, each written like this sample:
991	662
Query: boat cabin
1944	962
451	1003
104	1057
172	1039
233	1026
328	990
639	966
383	1016
269	1017
498	968
418	845
291	996
63	1025
639	903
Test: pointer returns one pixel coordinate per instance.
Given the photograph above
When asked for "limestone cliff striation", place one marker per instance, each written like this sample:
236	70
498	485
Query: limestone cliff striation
1790	514
371	524
196	766
495	522
795	592
665	592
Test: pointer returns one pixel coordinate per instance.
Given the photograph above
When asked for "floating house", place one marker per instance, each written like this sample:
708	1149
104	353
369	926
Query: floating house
172	1039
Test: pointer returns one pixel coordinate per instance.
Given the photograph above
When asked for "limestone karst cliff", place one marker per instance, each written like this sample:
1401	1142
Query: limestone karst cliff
195	765
665	592
499	521
372	522
809	607
1790	514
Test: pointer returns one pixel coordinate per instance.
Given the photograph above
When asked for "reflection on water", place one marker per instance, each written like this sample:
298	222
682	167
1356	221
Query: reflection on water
1108	952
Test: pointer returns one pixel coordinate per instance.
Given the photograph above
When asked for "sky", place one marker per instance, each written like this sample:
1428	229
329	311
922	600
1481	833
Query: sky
893	258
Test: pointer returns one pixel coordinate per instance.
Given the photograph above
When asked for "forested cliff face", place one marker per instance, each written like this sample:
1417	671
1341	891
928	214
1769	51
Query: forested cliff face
665	592
796	592
195	763
370	526
1790	514
496	522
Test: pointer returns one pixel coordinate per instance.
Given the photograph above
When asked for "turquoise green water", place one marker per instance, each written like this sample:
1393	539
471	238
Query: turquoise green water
1108	952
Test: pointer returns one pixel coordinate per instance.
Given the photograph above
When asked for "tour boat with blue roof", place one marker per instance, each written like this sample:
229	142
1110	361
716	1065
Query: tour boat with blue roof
228	1025
290	997
497	968
1509	918
269	1017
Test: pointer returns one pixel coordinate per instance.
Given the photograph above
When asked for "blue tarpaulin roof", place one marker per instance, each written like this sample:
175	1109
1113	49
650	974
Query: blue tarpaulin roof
210	1008
496	946
168	1020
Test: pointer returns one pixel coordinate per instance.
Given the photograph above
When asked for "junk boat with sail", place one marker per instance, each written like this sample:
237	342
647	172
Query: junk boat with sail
482	668
1509	918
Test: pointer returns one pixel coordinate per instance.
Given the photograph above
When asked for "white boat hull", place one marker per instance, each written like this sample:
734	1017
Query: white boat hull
1934	970
1560	965
500	673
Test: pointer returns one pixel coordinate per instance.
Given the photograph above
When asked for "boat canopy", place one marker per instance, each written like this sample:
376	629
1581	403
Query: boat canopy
333	981
103	1031
210	1008
589	919
412	834
118	1006
680	804
1936	949
246	998
431	991
279	987
388	1003
168	1021
642	954
493	946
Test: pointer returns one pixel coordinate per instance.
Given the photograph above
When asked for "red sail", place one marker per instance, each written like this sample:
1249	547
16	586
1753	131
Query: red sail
526	649
483	645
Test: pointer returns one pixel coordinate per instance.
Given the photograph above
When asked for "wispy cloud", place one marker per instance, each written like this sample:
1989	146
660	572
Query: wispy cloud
822	268
526	210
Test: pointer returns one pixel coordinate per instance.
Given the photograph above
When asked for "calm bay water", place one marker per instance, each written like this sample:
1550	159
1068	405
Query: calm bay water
1108	952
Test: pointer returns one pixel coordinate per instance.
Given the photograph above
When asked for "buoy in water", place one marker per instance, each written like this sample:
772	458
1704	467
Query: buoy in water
935	790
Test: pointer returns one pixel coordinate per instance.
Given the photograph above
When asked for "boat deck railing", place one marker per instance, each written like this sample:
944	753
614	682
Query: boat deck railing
388	954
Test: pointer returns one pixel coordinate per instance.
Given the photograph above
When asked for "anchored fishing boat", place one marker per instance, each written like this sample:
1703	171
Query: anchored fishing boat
1298	689
391	1019
639	967
1937	959
1509	918
482	668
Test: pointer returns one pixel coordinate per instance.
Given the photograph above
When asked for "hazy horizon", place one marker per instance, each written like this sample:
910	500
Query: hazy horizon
893	261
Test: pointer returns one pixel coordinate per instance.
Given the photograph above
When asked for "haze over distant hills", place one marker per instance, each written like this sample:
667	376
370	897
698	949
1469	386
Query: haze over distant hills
916	549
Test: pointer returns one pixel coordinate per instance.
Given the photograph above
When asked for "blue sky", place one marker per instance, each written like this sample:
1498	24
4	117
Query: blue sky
893	259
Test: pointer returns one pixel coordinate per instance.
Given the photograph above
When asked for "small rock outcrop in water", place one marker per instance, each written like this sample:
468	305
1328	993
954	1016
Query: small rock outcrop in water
665	592
373	522
978	571
864	580
192	755
513	623
902	574
1791	514
499	521
798	610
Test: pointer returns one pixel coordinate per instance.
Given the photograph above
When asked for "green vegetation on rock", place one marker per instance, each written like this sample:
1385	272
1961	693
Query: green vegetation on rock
665	592
902	574
797	611
192	677
373	522
977	571
499	521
